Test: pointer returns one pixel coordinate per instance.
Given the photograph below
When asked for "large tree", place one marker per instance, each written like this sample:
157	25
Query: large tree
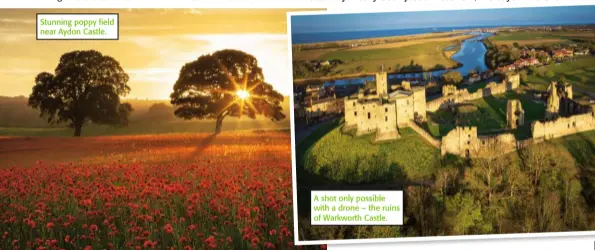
86	87
224	83
452	77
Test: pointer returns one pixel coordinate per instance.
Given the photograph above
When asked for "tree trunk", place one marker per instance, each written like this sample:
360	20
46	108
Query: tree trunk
219	124
77	129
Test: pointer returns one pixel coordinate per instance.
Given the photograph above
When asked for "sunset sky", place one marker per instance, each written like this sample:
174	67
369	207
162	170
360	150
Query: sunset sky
154	44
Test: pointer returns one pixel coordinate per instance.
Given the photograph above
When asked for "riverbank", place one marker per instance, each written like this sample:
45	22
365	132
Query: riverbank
412	57
363	75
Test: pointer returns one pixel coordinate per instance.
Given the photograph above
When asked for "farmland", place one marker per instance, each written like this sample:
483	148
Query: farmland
580	73
540	37
396	56
185	191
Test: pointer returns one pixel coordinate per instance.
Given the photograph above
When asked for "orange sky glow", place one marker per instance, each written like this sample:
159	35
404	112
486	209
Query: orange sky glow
154	44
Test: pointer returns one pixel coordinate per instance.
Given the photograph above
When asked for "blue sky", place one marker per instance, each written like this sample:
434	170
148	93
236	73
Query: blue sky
431	19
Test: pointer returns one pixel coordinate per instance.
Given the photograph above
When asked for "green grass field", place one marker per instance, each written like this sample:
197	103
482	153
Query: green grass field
343	157
526	35
369	60
580	73
539	37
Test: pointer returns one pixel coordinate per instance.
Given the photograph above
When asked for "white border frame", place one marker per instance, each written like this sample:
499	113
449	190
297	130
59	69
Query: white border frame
412	6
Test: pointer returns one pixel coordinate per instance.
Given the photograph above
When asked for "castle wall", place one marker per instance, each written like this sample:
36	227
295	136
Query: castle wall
371	116
419	102
367	118
350	107
563	126
464	141
459	141
451	96
386	122
404	110
424	134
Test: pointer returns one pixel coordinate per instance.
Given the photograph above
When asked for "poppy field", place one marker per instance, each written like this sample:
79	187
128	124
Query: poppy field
178	191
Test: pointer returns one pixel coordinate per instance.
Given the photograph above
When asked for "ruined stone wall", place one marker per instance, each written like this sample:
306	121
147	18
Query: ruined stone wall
424	134
451	96
515	115
459	141
419	102
492	146
350	107
404	110
386	122
465	142
563	126
371	116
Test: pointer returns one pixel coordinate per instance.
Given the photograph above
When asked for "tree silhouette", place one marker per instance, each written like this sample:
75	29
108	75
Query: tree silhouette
209	87
86	87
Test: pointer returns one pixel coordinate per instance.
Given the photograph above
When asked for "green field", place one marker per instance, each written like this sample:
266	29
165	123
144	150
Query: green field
526	35
363	60
487	114
343	157
539	37
557	176
427	55
580	72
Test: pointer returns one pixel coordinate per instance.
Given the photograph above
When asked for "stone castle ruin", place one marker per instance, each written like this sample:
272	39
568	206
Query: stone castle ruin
385	111
515	115
564	116
451	95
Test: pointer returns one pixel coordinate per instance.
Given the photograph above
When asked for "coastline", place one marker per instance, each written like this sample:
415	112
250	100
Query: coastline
392	39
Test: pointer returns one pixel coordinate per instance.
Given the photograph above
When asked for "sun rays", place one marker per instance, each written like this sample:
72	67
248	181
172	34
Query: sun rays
242	93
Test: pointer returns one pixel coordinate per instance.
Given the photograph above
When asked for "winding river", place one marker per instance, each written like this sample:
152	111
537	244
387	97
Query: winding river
471	55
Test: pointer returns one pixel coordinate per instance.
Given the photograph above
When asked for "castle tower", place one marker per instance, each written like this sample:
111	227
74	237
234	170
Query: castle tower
568	90
515	115
449	90
381	83
553	102
513	80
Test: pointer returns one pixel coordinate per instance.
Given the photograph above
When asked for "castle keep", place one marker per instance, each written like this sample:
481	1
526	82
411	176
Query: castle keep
382	111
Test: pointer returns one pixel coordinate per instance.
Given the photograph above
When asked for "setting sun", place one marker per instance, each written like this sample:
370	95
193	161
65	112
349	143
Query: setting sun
243	94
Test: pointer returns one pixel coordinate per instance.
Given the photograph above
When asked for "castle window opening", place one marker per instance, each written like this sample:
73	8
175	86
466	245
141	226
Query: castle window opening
369	116
386	118
386	110
355	113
